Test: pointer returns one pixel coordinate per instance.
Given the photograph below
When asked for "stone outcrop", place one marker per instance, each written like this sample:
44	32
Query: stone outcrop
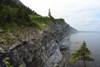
64	43
43	49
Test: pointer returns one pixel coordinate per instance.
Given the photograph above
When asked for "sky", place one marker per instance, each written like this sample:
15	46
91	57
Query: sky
84	15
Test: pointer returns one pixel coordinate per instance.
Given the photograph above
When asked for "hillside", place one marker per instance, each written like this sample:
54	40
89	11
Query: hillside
13	13
29	39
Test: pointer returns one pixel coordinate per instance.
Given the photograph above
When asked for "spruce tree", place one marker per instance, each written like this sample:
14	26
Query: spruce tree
82	54
49	13
51	17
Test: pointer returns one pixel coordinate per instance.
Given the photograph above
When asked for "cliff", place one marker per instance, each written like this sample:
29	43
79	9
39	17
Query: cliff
42	49
35	46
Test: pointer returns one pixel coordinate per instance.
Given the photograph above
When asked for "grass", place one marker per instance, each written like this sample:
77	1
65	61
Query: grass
14	27
59	20
36	20
39	21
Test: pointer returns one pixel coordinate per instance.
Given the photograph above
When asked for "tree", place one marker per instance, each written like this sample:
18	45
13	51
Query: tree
82	54
51	17
49	13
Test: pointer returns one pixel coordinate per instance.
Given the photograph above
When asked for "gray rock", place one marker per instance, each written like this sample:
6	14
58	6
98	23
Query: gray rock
1	30
54	59
2	50
40	50
64	43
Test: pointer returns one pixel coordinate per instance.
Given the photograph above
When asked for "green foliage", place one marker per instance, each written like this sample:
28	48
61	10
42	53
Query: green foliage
22	15
53	63
21	65
12	13
39	21
6	26
73	60
6	62
59	20
19	15
82	54
7	38
8	2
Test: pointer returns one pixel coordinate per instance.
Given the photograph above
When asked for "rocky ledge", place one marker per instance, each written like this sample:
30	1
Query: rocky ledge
42	50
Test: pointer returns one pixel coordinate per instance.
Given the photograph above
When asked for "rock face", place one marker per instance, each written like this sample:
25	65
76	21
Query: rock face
64	43
41	50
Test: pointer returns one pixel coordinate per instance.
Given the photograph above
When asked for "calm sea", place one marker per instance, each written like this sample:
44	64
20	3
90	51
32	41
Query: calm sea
93	43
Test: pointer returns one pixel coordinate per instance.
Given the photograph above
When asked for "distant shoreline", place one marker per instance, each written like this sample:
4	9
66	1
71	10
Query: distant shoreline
89	31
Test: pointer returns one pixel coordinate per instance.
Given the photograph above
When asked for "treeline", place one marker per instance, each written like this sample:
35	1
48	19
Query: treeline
11	12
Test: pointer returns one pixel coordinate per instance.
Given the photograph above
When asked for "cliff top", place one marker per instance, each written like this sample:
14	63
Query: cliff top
13	14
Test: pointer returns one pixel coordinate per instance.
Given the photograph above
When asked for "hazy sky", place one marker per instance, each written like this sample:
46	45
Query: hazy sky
81	14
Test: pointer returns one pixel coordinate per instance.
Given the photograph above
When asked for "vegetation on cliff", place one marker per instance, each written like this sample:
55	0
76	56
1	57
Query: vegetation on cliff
12	14
16	20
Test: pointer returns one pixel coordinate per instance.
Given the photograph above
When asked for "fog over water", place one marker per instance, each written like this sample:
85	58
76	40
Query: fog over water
93	43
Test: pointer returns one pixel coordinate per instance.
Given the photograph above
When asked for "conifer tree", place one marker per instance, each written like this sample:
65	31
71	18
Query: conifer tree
49	14
51	17
82	54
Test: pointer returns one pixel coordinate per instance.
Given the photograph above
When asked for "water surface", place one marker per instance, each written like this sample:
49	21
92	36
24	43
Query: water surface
93	43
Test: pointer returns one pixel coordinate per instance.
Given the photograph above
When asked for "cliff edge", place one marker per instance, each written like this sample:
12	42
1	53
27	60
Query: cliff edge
42	49
35	43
